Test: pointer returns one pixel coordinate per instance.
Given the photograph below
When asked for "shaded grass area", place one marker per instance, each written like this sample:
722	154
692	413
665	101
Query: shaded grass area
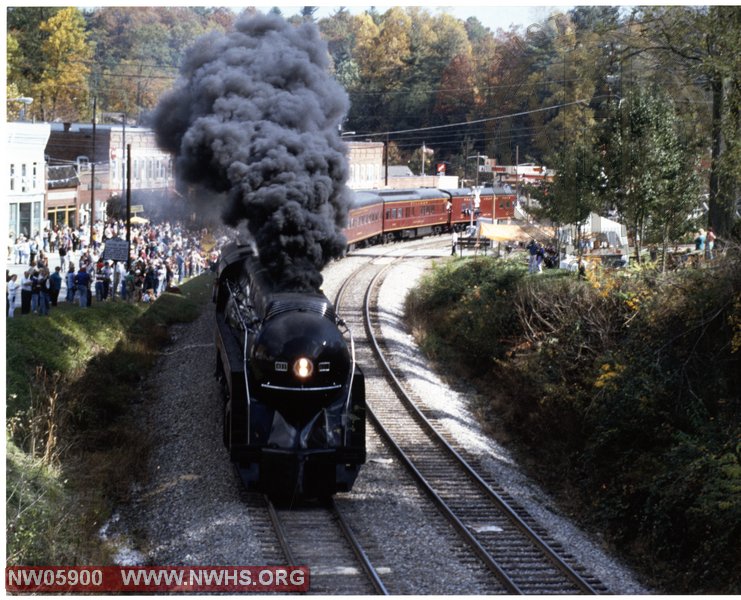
73	449
622	393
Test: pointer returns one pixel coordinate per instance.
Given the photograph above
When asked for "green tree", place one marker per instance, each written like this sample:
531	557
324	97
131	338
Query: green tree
575	191
503	65
62	89
14	65
647	167
435	43
476	31
339	32
566	75
307	13
24	54
703	45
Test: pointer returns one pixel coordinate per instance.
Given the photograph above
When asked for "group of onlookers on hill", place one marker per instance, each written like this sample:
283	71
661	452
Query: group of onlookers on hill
161	257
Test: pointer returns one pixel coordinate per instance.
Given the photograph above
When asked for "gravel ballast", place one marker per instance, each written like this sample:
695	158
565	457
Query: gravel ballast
459	419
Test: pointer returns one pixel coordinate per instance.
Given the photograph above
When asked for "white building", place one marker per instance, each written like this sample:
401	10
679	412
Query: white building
367	171
25	145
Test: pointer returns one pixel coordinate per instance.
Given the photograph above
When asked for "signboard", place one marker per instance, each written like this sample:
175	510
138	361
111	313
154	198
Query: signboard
441	168
116	249
137	208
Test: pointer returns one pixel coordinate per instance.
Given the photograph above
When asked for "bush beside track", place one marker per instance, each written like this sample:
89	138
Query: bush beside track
622	391
73	450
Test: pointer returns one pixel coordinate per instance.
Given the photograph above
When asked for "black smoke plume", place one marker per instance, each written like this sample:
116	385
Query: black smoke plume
256	115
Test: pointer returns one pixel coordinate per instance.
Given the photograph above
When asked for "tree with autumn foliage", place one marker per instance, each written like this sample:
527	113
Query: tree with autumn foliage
62	91
138	51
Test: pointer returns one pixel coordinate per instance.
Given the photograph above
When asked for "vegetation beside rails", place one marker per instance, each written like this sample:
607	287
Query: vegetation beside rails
622	391
73	450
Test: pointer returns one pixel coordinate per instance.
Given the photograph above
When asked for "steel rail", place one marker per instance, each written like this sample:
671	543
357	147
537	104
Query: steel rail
357	548
498	571
511	514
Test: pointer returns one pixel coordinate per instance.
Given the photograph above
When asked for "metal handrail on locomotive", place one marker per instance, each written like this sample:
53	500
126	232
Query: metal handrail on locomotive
294	409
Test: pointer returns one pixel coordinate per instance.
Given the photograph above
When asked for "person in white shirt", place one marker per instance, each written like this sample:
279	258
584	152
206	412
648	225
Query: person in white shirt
13	286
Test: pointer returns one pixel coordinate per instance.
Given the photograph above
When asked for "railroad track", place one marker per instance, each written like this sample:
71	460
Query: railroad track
521	558
317	535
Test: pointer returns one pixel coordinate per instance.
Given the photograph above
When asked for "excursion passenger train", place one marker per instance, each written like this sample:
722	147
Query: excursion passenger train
380	216
294	409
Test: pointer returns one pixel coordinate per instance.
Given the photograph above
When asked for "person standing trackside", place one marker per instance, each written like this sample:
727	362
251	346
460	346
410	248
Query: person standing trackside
33	250
44	292
37	279
454	243
700	240
532	251
709	244
107	279
55	285
99	280
71	283
63	258
26	285
13	286
82	283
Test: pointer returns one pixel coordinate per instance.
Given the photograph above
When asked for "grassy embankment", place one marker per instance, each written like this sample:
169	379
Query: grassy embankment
72	447
622	393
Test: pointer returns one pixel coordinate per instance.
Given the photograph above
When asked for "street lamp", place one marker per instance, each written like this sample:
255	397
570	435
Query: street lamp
25	101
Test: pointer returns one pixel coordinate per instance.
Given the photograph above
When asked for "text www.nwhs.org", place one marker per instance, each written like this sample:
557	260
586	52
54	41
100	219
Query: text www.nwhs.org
157	579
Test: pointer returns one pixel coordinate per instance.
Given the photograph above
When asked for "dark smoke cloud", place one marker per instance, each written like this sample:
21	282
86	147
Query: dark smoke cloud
255	114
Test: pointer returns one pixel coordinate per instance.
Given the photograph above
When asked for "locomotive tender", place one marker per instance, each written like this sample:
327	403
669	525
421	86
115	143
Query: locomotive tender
294	410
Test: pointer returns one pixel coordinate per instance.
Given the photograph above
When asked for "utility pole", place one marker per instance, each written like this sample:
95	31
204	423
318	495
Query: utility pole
128	206
123	149
92	177
517	179
386	161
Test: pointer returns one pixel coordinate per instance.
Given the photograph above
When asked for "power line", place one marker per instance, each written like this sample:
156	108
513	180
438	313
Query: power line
486	120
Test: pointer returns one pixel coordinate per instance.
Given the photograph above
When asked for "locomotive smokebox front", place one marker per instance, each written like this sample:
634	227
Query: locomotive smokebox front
301	357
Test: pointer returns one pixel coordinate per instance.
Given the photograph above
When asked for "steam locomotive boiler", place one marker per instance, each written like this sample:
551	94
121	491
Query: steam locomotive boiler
294	409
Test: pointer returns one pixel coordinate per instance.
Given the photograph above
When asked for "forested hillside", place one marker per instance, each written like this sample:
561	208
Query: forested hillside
549	93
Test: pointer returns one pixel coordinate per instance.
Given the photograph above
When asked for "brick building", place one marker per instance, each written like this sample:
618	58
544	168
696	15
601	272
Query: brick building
72	145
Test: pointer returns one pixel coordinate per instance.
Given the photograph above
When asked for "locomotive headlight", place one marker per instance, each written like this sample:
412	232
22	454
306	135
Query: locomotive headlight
303	368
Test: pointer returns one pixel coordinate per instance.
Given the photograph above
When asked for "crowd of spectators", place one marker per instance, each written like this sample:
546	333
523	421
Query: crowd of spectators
161	257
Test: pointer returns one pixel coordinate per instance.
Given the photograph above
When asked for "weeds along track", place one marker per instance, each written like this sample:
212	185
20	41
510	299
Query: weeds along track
519	556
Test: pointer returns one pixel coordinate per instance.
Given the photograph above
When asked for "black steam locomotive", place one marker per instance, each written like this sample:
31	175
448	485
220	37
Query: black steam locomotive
294	410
